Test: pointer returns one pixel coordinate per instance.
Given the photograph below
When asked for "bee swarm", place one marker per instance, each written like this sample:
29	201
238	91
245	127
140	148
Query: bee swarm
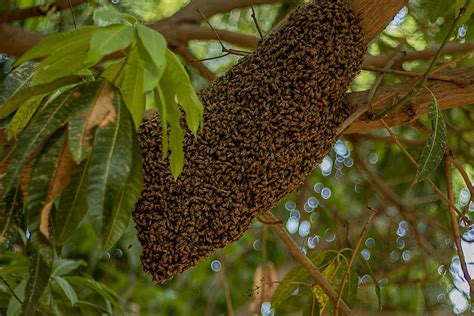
267	123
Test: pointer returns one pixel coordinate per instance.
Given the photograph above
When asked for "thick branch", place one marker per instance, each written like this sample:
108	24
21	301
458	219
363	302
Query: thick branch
22	14
448	95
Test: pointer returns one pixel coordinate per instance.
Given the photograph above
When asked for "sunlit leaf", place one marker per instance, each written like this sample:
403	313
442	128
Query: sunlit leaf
328	273
62	43
110	166
433	152
159	102
109	39
56	67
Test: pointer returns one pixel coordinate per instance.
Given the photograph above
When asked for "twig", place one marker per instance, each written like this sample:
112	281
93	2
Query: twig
11	290
454	223
293	248
189	56
413	161
432	76
254	18
354	255
465	177
223	48
73	14
225	284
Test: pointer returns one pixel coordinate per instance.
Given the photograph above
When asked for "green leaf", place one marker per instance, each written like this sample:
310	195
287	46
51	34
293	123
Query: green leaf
177	78
17	80
18	265
352	285
111	162
113	73
66	288
33	91
297	274
55	67
65	43
152	49
23	116
159	102
118	218
434	149
72	205
65	266
312	307
437	8
106	17
132	85
14	307
109	39
44	124
96	109
40	270
467	14
9	217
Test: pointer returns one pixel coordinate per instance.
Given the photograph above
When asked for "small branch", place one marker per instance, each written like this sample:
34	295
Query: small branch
225	284
465	177
73	14
455	225
192	60
293	248
458	81
254	18
22	14
354	255
10	289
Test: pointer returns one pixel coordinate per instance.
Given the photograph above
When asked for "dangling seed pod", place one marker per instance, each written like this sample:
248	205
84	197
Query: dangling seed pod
267	123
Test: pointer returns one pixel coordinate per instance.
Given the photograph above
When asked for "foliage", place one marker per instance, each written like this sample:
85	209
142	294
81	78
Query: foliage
71	172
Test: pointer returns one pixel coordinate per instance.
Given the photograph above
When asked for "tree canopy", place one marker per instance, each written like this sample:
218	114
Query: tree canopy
381	226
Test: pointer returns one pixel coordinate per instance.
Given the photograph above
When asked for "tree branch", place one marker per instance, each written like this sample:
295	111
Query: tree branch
22	14
448	94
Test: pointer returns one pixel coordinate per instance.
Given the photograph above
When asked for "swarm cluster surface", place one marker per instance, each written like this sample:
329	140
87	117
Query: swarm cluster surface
268	122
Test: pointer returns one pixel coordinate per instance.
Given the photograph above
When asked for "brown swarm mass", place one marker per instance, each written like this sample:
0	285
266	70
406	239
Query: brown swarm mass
267	123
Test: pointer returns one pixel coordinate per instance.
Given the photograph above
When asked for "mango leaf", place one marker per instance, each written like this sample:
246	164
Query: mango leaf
312	307
132	85
113	73
329	273
110	166
65	266
433	152
17	265
25	94
44	124
55	67
152	48
436	9
41	257
106	17
297	274
177	78
118	218
109	39
100	288
97	110
66	288
17	80
65	43
467	14
50	176
176	137
72	206
14	306
159	102
23	116
10	210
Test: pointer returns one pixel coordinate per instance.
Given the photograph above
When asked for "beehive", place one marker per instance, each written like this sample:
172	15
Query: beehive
267	123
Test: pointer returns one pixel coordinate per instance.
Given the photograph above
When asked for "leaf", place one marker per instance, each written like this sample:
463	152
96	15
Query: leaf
25	94
43	125
55	67
374	279
312	307
352	285
132	85
109	39
65	266
106	17
72	206
97	110
111	162
63	43
66	288
176	77
152	48
14	307
434	149
40	269
113	73
438	8
297	274
467	14
17	80
9	217
50	176
159	102
117	219
329	273
23	116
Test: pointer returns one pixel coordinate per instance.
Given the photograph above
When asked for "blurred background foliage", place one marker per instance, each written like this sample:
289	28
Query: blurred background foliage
408	246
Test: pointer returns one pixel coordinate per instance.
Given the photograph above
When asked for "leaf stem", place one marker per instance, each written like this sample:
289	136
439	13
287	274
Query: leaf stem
11	290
